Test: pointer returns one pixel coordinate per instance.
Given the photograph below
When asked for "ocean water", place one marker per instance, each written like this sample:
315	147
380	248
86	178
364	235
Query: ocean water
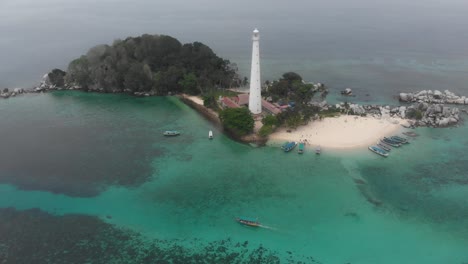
90	178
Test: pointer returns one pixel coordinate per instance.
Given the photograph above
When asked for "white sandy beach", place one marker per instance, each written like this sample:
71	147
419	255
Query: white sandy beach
194	99
341	132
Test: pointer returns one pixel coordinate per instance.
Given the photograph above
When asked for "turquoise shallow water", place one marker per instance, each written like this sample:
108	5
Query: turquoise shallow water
349	207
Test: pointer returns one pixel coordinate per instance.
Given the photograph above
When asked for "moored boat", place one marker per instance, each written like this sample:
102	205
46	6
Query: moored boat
301	148
248	221
318	150
378	151
399	139
382	146
410	134
171	133
391	142
210	134
385	144
288	146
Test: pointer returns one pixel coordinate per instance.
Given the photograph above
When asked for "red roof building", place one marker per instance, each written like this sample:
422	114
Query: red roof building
270	107
243	99
227	102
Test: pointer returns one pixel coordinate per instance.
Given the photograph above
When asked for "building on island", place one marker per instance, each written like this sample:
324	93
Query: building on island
254	99
242	100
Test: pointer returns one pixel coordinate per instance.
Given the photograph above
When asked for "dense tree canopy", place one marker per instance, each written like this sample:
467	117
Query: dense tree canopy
57	77
156	63
237	120
291	87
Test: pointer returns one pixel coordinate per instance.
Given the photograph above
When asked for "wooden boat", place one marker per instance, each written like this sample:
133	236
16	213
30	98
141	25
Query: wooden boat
390	142
318	150
385	144
210	134
384	147
171	133
410	134
378	151
248	221
399	139
301	148
288	146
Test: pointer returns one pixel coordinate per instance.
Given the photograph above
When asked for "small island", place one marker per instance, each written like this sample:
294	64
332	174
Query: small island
287	109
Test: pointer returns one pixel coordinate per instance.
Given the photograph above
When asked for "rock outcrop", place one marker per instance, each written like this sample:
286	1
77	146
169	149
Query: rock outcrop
433	97
418	114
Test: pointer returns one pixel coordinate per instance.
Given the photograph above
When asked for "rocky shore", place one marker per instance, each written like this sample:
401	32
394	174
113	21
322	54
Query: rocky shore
434	97
417	114
46	86
427	108
7	93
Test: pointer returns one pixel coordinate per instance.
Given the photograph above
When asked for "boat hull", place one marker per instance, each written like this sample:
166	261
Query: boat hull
289	146
382	146
376	151
390	142
171	133
301	148
247	222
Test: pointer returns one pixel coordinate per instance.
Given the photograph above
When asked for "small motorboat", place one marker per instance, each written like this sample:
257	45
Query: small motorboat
288	146
248	221
390	142
399	139
301	148
210	134
410	134
171	133
378	151
382	146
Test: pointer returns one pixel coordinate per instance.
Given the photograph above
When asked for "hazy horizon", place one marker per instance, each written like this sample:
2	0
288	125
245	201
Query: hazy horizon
40	36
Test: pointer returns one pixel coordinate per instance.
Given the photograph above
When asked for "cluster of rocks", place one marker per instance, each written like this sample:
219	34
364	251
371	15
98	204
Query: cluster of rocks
46	85
419	114
7	93
434	97
347	92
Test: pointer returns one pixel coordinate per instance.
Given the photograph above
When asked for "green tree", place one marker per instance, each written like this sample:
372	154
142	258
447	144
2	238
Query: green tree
270	120
265	130
237	120
291	77
189	84
294	121
152	62
210	101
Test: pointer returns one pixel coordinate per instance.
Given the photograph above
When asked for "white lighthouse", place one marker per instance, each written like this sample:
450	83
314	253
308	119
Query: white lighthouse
255	97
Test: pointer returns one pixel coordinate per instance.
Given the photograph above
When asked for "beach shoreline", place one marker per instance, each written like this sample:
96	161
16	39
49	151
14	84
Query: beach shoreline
343	132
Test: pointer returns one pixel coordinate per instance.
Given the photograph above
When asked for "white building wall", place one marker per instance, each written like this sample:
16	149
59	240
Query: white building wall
255	97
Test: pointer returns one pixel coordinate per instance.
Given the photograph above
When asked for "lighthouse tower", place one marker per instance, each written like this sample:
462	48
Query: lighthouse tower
255	97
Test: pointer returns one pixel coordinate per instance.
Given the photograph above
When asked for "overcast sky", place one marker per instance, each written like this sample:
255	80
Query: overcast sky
38	35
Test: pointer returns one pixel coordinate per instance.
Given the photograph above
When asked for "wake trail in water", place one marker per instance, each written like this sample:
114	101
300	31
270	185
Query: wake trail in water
269	227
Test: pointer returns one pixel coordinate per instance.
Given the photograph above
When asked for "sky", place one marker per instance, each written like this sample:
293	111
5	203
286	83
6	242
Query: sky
39	35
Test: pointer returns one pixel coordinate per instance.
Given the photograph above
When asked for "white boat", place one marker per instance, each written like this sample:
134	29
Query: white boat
171	133
378	151
318	150
210	134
